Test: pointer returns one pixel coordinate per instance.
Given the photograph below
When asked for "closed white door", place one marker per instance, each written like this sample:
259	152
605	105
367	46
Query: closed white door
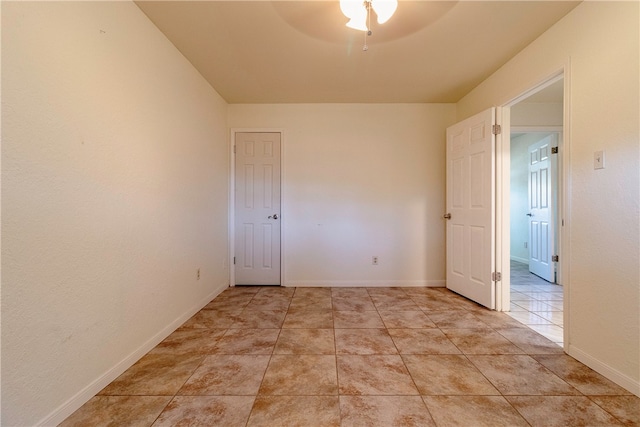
257	208
541	205
470	208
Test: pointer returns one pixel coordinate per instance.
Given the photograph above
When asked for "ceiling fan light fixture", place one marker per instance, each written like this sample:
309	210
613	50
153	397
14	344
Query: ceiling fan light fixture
359	21
384	9
351	8
358	12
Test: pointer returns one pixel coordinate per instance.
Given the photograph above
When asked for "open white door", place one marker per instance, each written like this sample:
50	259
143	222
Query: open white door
541	205
257	208
471	208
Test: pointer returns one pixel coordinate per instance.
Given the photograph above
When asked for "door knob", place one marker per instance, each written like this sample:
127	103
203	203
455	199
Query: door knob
447	216
274	216
529	214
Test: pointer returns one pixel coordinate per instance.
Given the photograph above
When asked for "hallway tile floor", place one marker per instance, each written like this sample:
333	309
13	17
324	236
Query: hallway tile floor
536	303
272	356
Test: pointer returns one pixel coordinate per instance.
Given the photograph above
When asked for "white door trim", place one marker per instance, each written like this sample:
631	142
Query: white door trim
534	129
502	210
232	189
503	165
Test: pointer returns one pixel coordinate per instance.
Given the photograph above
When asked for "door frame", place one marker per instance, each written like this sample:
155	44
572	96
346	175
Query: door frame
231	196
503	167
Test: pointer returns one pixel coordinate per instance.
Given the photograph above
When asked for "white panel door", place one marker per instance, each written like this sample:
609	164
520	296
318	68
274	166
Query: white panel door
257	208
470	208
541	204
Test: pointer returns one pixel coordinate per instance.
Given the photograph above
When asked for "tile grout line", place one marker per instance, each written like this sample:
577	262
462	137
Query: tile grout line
489	325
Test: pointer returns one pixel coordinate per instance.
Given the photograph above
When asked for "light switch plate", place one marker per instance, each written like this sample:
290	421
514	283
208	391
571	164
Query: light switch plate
598	160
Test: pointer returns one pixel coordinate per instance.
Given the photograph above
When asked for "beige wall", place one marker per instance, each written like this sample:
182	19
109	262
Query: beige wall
115	178
536	114
360	181
114	192
600	43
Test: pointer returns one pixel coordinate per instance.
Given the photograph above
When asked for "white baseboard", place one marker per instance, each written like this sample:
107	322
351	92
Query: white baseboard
605	370
365	283
83	396
518	259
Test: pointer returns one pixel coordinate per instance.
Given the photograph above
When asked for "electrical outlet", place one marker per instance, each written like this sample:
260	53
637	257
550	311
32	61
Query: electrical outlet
198	274
374	260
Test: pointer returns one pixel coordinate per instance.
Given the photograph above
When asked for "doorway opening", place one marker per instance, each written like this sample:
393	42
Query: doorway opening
536	146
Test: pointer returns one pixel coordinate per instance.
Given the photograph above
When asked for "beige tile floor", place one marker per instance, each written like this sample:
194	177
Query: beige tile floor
267	356
536	303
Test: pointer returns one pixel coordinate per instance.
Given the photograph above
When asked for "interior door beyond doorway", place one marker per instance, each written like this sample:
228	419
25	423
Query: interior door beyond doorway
257	208
470	205
541	208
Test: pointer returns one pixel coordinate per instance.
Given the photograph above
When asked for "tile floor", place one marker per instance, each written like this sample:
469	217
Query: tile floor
536	303
271	356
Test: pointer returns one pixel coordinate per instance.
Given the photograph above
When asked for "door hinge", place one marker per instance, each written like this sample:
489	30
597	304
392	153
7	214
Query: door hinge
496	276
554	150
234	149
555	258
234	260
496	129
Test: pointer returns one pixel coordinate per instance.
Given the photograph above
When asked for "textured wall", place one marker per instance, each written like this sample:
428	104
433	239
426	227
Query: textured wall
114	192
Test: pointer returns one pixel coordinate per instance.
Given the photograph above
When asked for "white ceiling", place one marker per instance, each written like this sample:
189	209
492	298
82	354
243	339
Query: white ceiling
301	51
